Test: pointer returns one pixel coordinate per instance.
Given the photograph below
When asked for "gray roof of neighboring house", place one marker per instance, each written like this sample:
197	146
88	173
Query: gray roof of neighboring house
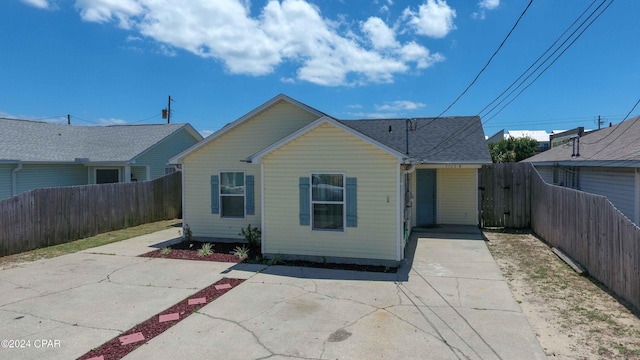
618	145
34	141
433	140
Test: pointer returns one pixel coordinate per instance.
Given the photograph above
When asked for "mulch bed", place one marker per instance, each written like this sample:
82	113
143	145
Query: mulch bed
188	250
223	252
152	327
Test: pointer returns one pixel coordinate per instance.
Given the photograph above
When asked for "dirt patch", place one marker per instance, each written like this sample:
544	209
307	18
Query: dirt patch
152	327
574	316
225	252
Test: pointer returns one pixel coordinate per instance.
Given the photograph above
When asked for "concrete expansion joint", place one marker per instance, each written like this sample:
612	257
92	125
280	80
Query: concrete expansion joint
62	322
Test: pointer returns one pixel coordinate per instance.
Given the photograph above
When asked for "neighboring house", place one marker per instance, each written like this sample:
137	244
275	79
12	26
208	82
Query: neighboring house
604	162
324	188
495	137
38	154
541	136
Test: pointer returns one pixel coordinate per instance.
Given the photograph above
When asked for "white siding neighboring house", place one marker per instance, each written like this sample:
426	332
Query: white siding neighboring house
606	162
322	188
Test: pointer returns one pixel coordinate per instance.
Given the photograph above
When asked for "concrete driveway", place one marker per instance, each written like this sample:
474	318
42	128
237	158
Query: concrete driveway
449	301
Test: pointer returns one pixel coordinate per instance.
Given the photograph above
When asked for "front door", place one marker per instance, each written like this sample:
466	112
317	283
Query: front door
425	197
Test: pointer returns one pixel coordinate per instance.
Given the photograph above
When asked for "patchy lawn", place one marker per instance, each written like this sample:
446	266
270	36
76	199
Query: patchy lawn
573	316
82	244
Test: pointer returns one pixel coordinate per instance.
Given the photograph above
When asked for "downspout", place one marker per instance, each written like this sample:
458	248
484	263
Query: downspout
14	179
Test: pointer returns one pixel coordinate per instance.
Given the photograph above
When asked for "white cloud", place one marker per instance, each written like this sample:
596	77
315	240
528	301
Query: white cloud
291	32
379	33
413	52
206	133
489	4
111	121
41	4
400	105
483	6
434	18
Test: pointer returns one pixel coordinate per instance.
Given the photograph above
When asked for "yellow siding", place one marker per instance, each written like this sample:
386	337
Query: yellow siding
224	154
457	196
330	149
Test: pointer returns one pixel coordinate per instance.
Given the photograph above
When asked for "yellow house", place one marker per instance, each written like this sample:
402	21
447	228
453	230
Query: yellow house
332	190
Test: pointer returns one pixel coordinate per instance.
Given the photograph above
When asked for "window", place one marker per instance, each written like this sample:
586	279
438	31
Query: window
568	176
232	194
107	176
327	201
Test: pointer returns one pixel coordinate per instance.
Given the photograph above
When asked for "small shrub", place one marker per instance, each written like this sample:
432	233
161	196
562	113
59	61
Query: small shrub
187	232
165	251
275	261
241	252
251	235
206	249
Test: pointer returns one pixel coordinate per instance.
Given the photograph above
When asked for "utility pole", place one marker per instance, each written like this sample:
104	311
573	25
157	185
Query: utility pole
600	122
166	113
169	111
68	119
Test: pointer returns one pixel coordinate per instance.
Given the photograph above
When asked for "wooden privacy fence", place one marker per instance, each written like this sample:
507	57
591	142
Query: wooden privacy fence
505	195
585	226
51	216
591	231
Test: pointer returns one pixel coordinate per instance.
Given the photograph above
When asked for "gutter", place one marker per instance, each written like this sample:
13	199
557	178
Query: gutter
14	179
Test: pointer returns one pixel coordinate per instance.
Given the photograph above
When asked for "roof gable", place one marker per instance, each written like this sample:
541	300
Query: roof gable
33	141
257	157
250	115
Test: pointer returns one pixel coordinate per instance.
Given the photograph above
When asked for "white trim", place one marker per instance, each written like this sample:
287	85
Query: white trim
343	202
636	217
196	135
244	195
399	215
262	224
477	206
148	172
281	97
127	174
257	157
184	208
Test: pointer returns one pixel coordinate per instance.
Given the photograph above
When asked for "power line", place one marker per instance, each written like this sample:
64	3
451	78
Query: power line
490	59
441	148
539	58
484	67
554	60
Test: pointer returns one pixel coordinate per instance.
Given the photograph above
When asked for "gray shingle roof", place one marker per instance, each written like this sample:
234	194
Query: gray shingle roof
437	140
34	141
618	144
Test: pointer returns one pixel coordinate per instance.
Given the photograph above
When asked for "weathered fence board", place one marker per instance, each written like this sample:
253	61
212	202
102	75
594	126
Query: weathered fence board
45	217
505	195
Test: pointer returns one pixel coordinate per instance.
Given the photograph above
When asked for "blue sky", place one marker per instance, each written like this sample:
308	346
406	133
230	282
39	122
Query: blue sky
117	61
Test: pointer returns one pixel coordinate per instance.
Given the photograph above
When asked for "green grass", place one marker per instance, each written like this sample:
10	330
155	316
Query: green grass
90	242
